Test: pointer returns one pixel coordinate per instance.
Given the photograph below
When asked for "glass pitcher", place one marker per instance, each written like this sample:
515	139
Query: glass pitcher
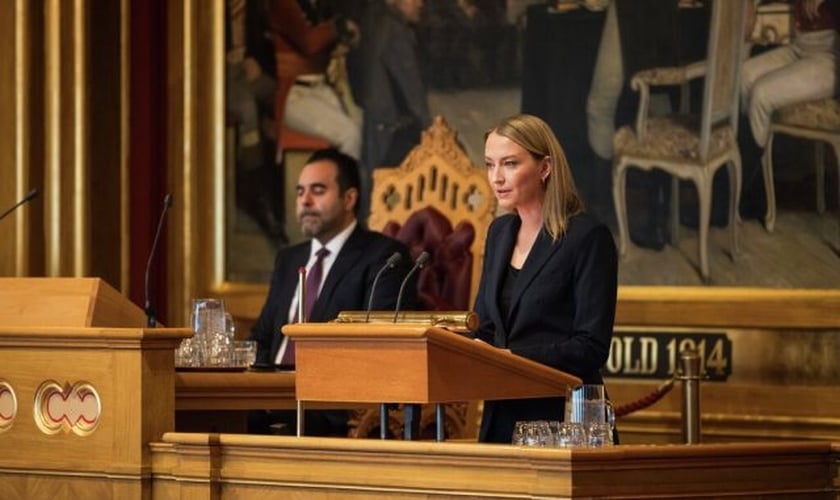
208	322
588	405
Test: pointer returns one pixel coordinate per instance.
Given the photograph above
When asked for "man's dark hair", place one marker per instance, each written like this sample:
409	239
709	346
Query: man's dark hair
348	171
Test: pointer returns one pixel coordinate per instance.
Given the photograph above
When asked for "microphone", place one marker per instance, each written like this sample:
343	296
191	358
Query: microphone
31	195
421	261
151	322
301	307
392	261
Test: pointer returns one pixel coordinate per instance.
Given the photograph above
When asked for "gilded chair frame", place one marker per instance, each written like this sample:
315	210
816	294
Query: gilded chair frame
436	173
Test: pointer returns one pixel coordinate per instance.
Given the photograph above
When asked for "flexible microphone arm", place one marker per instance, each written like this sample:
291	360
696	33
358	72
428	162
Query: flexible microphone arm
29	197
421	261
389	264
151	321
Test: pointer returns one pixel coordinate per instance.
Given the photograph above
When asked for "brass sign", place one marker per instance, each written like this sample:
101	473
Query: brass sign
644	354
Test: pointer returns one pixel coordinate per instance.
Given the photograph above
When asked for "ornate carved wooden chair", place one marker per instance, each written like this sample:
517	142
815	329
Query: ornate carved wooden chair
686	146
815	120
437	200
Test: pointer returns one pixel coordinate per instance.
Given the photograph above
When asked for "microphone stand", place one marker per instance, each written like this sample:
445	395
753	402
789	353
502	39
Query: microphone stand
421	261
29	197
411	411
301	308
389	264
383	407
151	321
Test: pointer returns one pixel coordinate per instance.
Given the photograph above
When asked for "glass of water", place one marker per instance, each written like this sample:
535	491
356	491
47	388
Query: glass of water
599	435
244	352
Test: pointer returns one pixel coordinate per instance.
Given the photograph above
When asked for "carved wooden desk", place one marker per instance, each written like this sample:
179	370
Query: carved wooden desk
219	401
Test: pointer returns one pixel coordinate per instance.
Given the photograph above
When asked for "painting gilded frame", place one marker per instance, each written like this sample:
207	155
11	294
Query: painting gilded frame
196	156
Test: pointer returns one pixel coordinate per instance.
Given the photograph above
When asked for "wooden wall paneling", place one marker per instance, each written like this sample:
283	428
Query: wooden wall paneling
107	142
8	137
14	137
65	124
31	91
195	150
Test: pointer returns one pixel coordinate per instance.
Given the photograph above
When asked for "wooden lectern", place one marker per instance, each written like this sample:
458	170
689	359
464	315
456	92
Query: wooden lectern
84	387
413	364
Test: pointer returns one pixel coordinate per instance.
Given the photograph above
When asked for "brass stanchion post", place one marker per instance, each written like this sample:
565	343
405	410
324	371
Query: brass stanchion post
691	373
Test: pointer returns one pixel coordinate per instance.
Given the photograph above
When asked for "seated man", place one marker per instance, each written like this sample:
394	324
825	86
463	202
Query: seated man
305	35
802	71
327	203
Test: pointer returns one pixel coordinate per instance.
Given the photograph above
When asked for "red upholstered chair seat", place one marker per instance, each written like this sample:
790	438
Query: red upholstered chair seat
294	140
444	284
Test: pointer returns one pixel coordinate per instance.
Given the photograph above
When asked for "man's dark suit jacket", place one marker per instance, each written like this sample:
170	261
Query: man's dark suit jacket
346	287
561	313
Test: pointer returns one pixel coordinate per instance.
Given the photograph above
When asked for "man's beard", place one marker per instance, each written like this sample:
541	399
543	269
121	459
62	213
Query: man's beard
317	224
313	225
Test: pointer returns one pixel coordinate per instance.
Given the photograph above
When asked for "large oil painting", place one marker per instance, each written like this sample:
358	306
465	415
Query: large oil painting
482	60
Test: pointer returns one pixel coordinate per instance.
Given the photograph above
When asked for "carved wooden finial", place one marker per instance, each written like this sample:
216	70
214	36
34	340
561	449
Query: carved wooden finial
438	132
439	140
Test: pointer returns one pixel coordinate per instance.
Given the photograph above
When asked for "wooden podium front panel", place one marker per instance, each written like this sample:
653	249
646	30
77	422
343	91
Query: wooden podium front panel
411	363
88	402
364	370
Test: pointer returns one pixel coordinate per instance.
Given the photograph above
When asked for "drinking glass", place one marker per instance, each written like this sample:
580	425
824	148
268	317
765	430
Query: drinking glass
599	435
543	433
519	433
554	429
244	352
532	435
571	435
187	355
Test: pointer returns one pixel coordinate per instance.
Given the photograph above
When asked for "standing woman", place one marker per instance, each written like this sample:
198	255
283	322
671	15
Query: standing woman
549	279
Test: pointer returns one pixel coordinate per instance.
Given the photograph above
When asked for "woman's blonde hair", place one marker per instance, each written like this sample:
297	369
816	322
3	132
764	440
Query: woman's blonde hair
561	198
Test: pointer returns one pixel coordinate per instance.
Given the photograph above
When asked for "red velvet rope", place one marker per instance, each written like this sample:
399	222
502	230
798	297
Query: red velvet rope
645	401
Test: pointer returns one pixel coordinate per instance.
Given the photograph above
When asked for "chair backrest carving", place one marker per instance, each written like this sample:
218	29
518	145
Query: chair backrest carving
723	69
437	173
